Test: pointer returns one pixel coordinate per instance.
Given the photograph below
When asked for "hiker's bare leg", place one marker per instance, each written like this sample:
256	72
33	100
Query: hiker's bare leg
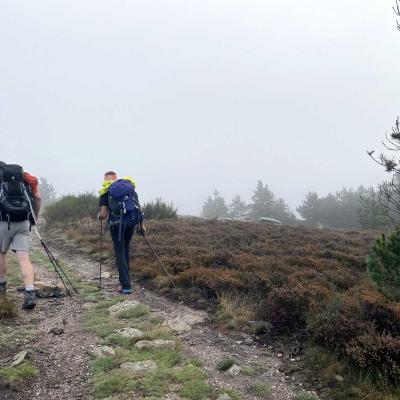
3	266
26	267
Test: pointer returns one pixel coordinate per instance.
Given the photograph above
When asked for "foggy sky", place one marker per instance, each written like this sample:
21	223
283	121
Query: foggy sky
191	96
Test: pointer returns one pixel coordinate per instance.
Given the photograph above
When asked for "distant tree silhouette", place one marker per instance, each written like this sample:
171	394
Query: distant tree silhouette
238	207
47	192
215	206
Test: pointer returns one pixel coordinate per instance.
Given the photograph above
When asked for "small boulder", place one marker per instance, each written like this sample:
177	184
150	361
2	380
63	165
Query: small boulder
224	396
100	351
139	368
124	305
19	358
131	333
184	323
155	344
235	370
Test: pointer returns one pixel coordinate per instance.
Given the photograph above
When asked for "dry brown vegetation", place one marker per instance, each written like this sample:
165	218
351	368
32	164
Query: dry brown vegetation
300	279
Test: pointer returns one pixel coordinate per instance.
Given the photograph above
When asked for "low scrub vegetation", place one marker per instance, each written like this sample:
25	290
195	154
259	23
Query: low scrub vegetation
159	209
299	279
72	208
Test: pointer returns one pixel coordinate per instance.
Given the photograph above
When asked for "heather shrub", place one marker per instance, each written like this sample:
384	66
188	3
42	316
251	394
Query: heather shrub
158	209
379	354
383	264
286	307
72	208
383	313
337	323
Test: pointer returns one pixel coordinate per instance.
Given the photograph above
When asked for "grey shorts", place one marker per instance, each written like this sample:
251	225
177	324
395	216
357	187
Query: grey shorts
18	238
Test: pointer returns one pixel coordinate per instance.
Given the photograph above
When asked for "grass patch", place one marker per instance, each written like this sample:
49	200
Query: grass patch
197	362
99	322
165	358
140	310
235	310
225	364
108	303
21	372
249	371
103	364
189	373
260	390
195	390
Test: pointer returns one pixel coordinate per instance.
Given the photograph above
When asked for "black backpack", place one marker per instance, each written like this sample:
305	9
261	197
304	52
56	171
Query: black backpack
16	197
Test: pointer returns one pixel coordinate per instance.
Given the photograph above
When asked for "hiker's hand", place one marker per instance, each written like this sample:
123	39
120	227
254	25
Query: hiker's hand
102	213
141	230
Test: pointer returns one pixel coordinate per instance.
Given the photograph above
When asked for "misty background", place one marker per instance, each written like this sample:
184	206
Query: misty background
192	96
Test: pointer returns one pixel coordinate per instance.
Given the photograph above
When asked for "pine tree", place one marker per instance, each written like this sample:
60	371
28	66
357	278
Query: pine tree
383	265
215	207
263	201
373	214
238	207
47	192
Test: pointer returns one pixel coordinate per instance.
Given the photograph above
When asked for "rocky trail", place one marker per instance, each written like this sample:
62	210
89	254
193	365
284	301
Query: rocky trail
62	350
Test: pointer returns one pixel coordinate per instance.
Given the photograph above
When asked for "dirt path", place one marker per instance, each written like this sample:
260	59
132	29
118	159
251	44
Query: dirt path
63	361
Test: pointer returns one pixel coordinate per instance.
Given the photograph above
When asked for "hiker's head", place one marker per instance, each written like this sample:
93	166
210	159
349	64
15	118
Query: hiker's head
110	176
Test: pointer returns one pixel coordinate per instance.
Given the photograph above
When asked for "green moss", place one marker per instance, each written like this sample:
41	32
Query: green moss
21	372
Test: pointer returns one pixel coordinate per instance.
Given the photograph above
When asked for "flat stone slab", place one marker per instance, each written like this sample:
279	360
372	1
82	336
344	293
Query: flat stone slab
124	305
184	323
155	344
131	333
19	358
100	351
138	368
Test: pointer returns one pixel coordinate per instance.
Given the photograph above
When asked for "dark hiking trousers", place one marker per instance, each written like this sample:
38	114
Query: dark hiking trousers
121	250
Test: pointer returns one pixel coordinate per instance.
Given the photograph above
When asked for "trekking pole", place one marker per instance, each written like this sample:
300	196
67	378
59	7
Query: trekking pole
158	259
56	265
101	250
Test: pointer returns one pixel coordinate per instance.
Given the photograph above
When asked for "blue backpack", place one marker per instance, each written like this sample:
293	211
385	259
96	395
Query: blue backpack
122	203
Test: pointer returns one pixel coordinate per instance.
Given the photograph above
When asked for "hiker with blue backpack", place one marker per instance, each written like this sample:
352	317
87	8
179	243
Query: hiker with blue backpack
120	203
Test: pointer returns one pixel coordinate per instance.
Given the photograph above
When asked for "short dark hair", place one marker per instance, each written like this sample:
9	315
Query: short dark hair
2	163
110	173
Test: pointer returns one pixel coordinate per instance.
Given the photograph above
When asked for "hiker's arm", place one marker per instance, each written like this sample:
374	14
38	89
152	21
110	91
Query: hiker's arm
103	204
142	228
103	213
38	203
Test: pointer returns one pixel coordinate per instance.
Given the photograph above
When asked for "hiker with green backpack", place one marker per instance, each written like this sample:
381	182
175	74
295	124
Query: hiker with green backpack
19	198
120	203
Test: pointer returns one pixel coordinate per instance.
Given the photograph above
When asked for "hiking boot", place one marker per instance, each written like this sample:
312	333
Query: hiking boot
30	300
3	288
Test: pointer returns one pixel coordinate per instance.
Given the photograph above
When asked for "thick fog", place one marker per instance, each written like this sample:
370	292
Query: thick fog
191	96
